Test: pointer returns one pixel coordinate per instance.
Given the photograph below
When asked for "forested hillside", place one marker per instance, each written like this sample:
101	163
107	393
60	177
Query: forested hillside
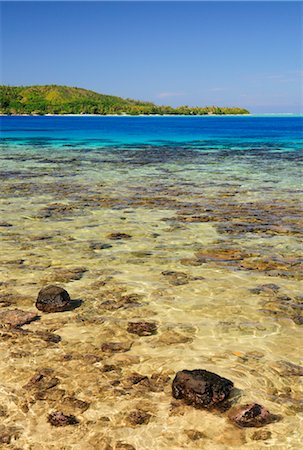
54	99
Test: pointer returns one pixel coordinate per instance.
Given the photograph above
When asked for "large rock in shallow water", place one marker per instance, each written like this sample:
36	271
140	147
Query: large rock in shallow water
53	299
252	415
201	388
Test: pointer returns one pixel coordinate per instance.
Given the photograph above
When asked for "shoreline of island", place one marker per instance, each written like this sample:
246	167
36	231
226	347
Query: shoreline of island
156	115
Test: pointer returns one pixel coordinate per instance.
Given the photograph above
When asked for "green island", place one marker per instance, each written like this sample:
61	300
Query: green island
53	99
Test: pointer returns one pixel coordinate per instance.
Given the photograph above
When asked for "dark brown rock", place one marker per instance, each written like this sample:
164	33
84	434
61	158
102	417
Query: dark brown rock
201	388
58	419
252	415
16	317
53	299
142	328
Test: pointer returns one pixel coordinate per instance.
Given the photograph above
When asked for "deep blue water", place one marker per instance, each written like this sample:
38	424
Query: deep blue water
266	133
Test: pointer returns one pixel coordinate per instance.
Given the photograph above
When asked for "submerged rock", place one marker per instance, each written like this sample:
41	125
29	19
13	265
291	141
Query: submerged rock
99	246
268	288
5	224
261	435
195	435
252	415
201	388
287	368
297	319
7	434
124	446
138	417
176	278
48	337
58	419
65	275
119	236
142	328
72	403
42	380
16	317
155	383
114	347
53	299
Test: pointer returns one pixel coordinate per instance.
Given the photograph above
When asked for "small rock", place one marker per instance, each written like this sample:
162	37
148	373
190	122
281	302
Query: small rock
194	435
142	328
114	347
42	380
201	388
261	435
266	288
171	337
119	236
51	395
109	368
252	415
124	446
176	278
46	336
3	411
192	261
16	317
8	433
99	246
298	319
73	403
138	417
53	299
5	224
58	419
7	300
287	368
136	378
62	275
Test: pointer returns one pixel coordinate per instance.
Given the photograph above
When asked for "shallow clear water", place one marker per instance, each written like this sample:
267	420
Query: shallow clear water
215	200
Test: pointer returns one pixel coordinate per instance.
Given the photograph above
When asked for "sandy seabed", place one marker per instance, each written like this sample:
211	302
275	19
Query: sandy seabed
211	256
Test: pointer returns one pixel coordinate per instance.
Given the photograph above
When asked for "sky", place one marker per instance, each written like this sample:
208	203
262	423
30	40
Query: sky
246	54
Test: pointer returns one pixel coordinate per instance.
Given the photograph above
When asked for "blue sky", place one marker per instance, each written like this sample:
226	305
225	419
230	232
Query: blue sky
198	53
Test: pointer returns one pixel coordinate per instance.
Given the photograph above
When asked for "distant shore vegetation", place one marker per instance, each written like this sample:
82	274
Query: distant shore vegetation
53	99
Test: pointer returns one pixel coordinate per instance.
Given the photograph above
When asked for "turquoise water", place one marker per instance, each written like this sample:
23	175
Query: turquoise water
203	133
212	210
